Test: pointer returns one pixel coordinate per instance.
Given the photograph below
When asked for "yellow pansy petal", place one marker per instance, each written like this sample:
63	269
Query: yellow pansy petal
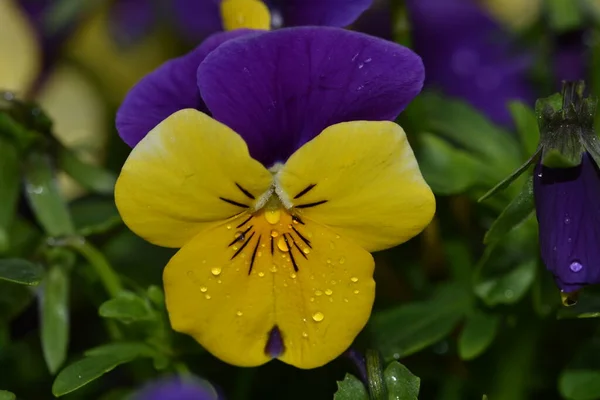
251	14
361	179
187	173
19	51
236	282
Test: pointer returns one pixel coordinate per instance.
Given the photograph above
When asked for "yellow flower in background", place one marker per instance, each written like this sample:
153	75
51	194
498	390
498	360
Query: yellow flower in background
516	14
277	198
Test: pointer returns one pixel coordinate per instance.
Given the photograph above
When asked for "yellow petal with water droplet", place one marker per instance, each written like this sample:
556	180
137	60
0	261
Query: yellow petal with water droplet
181	179
250	14
367	184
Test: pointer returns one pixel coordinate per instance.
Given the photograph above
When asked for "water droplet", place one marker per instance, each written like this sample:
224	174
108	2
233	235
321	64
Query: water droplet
539	175
569	240
312	299
234	248
345	300
576	266
273	216
216	271
318	316
218	281
342	260
259	254
569	299
261	274
328	261
207	296
282	245
274	233
356	291
318	292
360	87
333	282
567	220
328	292
305	335
203	289
295	221
354	279
273	268
509	294
368	60
293	275
306	250
239	313
361	65
228	226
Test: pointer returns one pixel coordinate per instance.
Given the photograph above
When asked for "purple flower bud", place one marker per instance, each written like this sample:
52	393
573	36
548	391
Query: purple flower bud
176	388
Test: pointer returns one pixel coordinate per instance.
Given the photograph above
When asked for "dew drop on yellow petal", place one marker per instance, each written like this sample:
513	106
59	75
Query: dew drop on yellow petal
216	271
354	279
273	268
318	316
273	216
228	226
312	299
274	233
306	250
305	335
261	274
239	313
207	296
356	291
318	292
282	245
328	292
293	275
235	248
203	289
342	260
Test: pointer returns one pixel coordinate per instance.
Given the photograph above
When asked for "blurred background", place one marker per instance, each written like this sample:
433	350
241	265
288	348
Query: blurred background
467	317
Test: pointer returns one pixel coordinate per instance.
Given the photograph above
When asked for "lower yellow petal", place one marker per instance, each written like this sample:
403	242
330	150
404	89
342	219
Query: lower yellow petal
298	277
366	185
250	14
19	50
187	173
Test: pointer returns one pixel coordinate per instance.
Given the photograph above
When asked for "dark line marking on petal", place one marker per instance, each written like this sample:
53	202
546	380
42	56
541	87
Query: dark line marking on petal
242	248
308	205
290	252
305	240
298	247
245	221
247	193
241	237
297	219
305	190
254	255
272	245
235	203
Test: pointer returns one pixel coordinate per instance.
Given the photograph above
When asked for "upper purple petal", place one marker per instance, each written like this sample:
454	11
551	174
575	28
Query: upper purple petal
130	20
467	54
170	88
568	212
280	89
176	389
337	13
196	19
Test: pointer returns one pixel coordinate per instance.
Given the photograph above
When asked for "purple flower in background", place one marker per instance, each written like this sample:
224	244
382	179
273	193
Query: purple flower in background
174	388
467	55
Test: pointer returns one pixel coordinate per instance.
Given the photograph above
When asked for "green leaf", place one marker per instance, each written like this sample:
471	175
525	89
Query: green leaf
91	177
409	328
580	384
20	271
14	299
446	169
95	215
351	389
9	188
5	395
401	383
519	209
156	295
55	317
564	15
478	333
508	288
127	307
96	363
44	197
527	126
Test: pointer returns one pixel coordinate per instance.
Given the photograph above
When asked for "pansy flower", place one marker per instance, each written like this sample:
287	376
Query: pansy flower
277	199
175	388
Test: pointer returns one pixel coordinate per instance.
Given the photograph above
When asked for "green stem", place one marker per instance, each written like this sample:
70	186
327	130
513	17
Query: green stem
107	275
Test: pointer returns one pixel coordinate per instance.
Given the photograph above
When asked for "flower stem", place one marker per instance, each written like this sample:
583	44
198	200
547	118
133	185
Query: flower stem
107	275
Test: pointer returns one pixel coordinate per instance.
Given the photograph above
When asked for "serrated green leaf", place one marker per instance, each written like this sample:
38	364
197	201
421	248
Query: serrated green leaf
409	328
6	395
20	271
44	197
527	125
55	317
10	176
91	177
84	371
351	389
518	210
401	383
127	307
478	333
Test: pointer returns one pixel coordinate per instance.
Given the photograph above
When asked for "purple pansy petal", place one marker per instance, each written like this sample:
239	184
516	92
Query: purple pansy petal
338	13
280	89
176	389
568	211
468	55
196	19
130	20
168	89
